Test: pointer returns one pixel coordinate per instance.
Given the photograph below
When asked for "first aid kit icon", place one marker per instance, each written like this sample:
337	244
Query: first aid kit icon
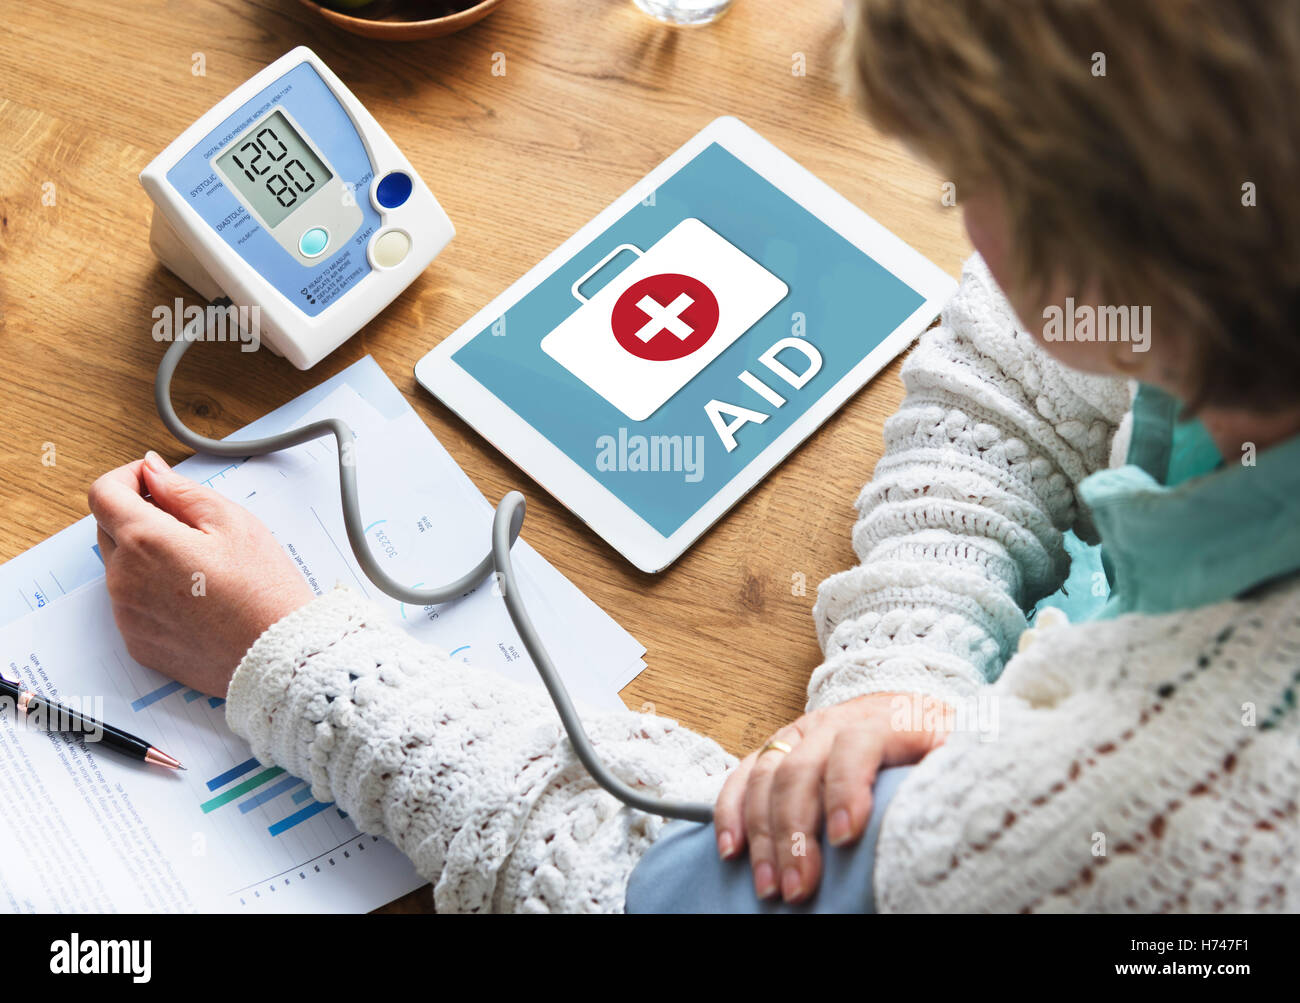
656	325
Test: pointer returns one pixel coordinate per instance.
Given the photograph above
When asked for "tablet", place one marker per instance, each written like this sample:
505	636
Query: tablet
665	358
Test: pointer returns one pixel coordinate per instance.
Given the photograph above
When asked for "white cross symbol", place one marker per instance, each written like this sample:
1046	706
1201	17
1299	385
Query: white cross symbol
663	318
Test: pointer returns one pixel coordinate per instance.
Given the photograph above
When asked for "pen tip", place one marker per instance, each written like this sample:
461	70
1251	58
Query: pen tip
160	758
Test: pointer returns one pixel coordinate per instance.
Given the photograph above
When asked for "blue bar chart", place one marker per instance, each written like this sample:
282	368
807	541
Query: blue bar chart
151	698
167	689
298	817
250	786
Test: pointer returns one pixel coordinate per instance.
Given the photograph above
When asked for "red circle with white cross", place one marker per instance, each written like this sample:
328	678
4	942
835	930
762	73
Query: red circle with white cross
664	317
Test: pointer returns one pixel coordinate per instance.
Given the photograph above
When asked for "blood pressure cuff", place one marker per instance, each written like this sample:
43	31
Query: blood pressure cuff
682	873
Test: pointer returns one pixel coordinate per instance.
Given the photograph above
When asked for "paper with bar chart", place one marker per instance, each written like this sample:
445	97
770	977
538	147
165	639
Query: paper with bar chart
96	832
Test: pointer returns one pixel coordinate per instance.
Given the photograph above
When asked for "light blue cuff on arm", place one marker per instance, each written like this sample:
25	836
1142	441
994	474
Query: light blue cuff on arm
682	873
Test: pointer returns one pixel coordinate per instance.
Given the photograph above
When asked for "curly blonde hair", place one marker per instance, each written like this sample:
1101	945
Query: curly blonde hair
1129	139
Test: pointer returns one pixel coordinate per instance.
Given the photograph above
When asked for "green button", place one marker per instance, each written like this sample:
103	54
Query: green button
313	242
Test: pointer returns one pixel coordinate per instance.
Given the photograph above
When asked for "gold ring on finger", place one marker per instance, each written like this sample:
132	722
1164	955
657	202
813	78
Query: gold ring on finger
776	744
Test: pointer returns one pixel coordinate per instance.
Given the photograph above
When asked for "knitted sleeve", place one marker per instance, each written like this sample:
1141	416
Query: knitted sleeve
960	528
468	773
1142	764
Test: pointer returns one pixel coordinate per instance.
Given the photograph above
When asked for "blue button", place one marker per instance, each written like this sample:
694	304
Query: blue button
313	242
393	190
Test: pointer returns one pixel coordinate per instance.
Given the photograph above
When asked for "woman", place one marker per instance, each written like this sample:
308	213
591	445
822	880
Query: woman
1118	164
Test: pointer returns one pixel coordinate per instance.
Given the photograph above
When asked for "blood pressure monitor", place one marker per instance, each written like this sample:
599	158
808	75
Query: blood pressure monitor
288	196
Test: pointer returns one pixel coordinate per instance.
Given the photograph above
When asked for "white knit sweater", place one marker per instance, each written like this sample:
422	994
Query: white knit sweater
1120	775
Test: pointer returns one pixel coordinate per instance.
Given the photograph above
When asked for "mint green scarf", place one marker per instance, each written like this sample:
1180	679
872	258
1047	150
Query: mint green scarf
1180	525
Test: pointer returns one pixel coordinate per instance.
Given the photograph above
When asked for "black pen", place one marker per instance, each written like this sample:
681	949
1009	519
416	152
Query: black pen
69	720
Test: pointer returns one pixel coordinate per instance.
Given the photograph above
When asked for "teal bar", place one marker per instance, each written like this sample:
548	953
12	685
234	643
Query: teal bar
236	792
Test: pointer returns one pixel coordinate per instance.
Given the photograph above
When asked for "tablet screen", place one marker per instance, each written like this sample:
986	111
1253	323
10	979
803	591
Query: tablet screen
722	311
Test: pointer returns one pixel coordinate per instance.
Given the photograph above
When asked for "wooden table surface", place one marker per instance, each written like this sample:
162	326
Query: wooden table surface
593	95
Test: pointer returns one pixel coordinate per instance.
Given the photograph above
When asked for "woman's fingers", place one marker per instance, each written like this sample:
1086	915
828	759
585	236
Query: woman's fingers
777	798
117	503
729	810
851	769
758	814
188	501
795	810
758	824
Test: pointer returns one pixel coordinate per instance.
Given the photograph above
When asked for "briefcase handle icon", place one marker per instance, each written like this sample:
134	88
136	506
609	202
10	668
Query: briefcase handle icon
599	265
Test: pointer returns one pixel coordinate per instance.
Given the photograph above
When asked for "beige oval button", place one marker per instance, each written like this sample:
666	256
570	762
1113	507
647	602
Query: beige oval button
390	248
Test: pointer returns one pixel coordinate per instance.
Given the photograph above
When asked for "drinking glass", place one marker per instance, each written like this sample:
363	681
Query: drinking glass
684	12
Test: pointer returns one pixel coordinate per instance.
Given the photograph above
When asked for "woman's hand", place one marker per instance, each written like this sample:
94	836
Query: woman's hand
194	578
776	800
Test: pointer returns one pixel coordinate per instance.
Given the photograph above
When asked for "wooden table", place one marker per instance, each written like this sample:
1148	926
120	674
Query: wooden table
592	96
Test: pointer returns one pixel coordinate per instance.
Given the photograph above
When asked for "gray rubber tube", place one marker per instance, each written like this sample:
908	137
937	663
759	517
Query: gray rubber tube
506	524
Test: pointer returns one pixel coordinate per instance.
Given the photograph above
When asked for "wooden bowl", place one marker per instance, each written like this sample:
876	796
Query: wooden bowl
401	22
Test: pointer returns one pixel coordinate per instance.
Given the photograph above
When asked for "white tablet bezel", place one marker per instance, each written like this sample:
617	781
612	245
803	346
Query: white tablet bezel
577	489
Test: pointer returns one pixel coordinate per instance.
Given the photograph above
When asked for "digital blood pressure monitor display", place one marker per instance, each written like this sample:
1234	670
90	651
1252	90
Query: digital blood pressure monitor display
288	196
273	169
